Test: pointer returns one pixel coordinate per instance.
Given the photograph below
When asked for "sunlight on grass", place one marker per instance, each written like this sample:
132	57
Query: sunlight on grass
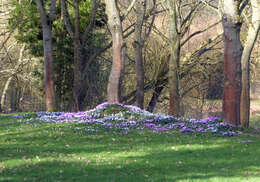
66	152
255	121
255	101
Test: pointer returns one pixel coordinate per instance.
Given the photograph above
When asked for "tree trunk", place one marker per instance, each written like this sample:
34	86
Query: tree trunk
156	94
80	62
77	59
232	62
174	62
161	81
13	72
116	74
7	83
48	53
14	98
245	61
48	63
138	46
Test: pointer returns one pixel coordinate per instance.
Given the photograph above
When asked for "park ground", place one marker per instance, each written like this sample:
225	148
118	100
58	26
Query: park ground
47	151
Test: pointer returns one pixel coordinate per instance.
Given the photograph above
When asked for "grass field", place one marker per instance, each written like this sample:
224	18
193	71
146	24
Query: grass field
255	121
255	118
65	152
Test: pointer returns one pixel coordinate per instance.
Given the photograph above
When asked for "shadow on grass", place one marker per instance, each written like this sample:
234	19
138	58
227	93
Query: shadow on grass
60	153
157	162
162	166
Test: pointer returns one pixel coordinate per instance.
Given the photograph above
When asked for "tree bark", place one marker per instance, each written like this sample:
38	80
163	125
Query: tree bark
138	46
232	62
116	74
14	99
77	59
7	83
159	86
245	61
80	65
174	62
48	64
46	23
161	81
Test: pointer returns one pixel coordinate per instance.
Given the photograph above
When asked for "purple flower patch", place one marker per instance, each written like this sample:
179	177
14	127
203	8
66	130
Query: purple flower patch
186	129
127	117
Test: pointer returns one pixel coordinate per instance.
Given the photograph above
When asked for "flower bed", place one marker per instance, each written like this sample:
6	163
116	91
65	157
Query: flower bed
127	117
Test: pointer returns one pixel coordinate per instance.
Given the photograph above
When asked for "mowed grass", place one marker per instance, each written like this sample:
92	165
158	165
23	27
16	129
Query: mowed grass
255	101
69	152
255	118
255	121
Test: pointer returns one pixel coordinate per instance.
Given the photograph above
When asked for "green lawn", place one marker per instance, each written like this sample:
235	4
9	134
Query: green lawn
255	101
70	152
255	121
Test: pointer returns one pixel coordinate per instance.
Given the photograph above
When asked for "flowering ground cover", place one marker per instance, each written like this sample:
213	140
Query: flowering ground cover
127	118
124	143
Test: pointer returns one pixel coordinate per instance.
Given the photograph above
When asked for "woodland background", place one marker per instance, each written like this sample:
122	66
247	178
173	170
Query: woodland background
145	27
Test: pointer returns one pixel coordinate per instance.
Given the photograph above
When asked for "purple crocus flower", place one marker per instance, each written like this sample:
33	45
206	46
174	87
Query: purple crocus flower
186	129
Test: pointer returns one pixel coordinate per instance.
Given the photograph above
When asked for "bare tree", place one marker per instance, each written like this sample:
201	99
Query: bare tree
12	73
119	48
46	22
174	61
138	46
236	100
180	21
232	60
78	42
252	33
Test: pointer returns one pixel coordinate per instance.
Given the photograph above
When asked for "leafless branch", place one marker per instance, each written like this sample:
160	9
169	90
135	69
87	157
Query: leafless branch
89	27
130	7
52	10
242	6
190	14
66	17
210	5
199	32
10	33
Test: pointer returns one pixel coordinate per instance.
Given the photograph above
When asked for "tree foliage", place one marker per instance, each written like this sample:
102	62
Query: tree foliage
30	33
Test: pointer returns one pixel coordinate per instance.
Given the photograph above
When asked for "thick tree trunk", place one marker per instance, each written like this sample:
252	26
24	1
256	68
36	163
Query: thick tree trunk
173	77
138	46
232	62
245	61
48	69
48	53
116	74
